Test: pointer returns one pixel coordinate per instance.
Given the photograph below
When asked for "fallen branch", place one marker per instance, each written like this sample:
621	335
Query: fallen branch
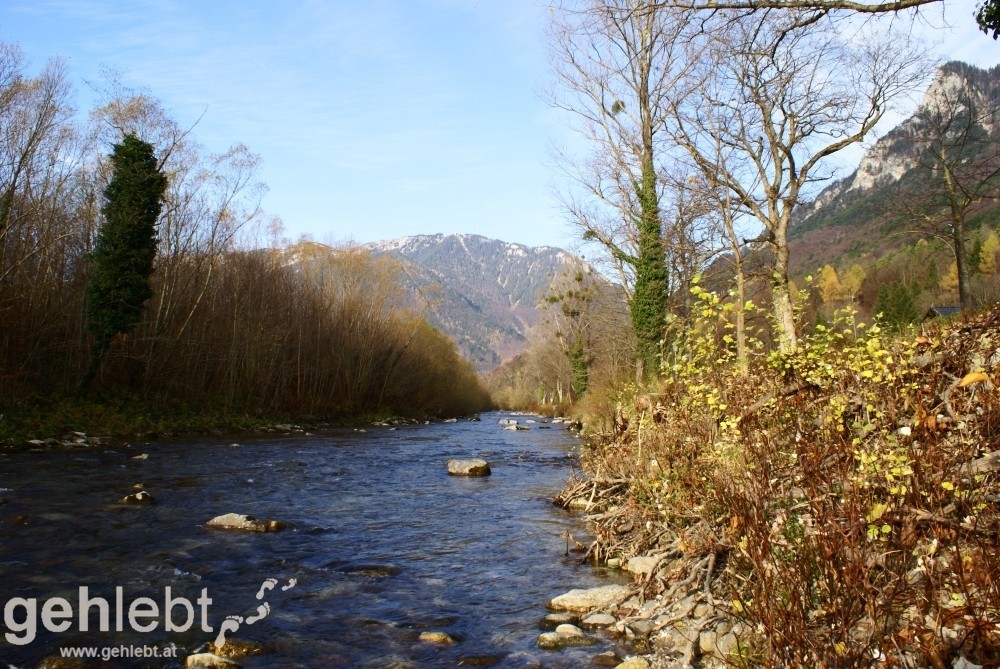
672	553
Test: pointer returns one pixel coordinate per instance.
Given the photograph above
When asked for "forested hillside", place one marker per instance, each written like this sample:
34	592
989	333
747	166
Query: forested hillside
884	238
483	292
226	329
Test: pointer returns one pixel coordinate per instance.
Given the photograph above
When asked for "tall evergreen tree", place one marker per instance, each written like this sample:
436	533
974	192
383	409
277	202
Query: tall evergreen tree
122	261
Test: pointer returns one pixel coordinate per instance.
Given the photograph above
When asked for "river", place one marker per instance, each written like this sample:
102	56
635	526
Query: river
381	546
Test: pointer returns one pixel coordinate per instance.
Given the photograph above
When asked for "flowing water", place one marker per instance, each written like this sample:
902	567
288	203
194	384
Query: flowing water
382	545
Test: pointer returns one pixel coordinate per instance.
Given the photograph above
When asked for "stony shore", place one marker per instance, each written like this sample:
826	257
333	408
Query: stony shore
668	631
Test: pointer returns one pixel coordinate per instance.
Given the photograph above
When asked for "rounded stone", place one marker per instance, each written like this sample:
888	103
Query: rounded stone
642	564
641	627
589	599
598	620
474	467
236	521
634	663
209	661
607	659
553	620
556	641
570	630
233	648
436	637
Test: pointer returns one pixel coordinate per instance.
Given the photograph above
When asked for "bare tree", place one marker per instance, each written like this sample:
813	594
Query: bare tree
616	64
35	153
824	6
780	94
987	13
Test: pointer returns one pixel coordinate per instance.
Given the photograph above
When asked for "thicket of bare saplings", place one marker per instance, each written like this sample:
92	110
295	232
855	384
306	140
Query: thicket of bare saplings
230	327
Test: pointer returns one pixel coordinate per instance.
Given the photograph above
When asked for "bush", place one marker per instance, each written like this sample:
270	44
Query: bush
842	491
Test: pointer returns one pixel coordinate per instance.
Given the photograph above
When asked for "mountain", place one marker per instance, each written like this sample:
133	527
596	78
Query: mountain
864	212
483	292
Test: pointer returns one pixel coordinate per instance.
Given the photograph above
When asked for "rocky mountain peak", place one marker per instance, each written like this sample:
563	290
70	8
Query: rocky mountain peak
896	153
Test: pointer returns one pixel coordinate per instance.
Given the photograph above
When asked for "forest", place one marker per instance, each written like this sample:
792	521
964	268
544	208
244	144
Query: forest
232	329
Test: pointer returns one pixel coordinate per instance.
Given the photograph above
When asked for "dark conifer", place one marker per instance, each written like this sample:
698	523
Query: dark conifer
122	261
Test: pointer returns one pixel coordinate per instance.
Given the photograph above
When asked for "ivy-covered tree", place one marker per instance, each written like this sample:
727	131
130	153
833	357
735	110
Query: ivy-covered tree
571	313
649	300
122	261
615	63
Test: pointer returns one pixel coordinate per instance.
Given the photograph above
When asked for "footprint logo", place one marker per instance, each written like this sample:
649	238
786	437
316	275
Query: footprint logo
268	584
262	612
233	623
230	624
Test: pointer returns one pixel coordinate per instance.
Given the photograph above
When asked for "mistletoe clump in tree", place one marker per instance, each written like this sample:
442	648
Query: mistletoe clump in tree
122	261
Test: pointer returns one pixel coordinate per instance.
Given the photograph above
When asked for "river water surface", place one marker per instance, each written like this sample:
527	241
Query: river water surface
382	545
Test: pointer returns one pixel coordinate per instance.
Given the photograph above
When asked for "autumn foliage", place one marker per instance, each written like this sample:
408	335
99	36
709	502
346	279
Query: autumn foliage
841	502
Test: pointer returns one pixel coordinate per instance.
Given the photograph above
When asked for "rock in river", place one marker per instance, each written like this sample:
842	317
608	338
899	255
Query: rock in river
209	661
563	638
436	637
233	648
590	599
474	467
237	521
141	498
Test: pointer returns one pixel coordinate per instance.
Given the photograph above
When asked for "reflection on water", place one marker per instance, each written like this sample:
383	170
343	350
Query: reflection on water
382	545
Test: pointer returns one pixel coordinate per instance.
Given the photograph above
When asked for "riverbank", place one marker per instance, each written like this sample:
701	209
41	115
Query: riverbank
74	422
839	507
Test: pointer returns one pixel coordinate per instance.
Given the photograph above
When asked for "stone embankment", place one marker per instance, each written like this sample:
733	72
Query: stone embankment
661	633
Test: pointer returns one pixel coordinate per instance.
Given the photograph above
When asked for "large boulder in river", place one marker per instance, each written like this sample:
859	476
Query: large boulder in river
474	467
237	521
590	599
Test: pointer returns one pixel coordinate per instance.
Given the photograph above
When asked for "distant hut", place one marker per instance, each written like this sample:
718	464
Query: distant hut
942	312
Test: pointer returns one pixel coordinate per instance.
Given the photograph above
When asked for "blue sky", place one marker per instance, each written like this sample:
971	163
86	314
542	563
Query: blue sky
375	119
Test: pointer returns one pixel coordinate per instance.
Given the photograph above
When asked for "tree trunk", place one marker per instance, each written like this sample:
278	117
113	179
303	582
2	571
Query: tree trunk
742	357
784	314
962	262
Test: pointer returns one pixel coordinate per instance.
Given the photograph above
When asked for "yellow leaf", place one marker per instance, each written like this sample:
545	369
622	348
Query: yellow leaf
878	510
971	378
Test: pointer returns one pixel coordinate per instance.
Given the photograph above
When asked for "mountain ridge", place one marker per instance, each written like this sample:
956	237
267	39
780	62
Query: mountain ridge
483	292
857	214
